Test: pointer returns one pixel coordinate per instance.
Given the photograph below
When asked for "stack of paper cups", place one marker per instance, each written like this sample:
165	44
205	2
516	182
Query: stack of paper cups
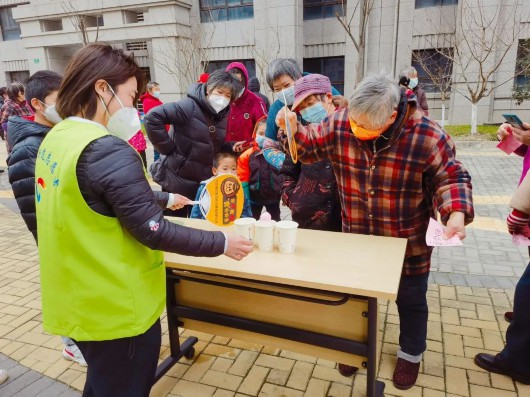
287	236
245	227
264	235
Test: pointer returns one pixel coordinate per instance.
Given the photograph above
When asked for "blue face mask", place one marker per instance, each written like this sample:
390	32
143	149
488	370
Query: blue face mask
260	139
314	113
286	96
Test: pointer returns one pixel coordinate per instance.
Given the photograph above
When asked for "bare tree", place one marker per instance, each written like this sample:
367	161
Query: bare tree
439	71
82	21
186	53
262	57
521	92
358	37
484	34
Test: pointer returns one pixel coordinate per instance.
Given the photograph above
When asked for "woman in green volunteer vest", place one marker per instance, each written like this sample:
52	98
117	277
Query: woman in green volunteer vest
101	230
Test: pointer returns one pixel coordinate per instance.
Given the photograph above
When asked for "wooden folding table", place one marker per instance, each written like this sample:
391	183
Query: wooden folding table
320	301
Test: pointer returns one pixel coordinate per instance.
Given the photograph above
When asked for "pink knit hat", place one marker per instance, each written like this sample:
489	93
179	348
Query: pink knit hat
310	85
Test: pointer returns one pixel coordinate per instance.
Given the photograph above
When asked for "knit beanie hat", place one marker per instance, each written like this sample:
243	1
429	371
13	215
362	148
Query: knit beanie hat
310	85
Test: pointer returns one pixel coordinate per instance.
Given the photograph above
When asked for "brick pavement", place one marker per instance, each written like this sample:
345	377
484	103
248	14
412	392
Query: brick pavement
470	290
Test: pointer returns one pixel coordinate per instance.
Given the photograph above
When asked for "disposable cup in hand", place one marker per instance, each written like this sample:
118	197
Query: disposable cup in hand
287	236
264	231
245	227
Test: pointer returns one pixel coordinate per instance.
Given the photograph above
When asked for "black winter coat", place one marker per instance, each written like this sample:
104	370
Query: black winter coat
25	138
192	144
112	181
311	192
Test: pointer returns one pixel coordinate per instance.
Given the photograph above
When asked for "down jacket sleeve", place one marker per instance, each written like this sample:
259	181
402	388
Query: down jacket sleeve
111	175
172	113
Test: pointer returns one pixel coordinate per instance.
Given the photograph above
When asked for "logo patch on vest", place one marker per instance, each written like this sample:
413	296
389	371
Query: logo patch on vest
154	226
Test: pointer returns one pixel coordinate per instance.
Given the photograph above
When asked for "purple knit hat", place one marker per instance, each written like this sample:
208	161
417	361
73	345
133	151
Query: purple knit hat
310	85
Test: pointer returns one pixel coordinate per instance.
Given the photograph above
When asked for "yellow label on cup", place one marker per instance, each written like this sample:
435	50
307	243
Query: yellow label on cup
226	197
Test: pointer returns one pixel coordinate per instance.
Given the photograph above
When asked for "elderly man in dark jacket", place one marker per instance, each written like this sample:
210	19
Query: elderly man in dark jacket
198	131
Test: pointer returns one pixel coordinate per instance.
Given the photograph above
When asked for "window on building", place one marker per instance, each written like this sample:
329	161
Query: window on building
52	25
318	9
435	3
331	67
10	28
133	17
522	65
250	64
226	10
21	76
92	21
435	70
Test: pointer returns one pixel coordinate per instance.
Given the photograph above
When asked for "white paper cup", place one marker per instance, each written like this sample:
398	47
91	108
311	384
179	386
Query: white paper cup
287	236
264	235
245	227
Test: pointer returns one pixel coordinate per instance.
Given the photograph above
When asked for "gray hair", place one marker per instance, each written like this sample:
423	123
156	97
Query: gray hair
408	71
223	79
151	85
375	98
283	66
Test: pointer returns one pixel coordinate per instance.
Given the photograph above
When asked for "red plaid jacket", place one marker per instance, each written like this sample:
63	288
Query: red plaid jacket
394	191
14	108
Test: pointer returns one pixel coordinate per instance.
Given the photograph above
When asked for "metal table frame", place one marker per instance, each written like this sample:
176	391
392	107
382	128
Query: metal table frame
186	349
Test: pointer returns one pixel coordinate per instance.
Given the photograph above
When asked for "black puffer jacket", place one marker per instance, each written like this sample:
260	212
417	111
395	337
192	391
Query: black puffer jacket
112	181
25	138
189	147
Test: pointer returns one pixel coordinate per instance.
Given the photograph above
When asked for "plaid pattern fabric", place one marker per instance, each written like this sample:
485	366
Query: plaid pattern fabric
14	108
394	191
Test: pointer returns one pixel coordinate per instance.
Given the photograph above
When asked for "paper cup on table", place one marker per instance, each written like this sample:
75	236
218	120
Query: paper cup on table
245	227
287	236
264	231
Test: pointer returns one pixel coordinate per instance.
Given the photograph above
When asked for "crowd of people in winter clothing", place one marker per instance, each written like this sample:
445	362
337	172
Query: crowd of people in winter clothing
371	164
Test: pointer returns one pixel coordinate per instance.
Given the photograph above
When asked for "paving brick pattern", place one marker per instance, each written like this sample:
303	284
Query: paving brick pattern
470	289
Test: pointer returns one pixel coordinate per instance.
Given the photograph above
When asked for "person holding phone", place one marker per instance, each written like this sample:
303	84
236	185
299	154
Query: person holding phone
521	132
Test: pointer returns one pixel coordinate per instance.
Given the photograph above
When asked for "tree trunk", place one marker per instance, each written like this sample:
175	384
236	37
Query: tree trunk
473	118
360	65
443	114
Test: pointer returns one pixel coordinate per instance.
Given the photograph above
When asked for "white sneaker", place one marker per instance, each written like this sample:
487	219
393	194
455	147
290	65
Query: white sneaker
73	353
3	375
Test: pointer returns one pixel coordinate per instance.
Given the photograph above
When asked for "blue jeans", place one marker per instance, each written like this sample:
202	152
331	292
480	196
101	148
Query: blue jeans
516	353
413	313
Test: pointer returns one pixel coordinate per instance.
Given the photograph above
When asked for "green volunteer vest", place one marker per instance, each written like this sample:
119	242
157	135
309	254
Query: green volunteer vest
98	282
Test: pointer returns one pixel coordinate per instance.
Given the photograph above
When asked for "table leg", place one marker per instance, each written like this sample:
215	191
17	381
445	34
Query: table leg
374	388
177	350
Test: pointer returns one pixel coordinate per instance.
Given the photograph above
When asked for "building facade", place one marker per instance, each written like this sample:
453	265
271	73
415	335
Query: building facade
175	41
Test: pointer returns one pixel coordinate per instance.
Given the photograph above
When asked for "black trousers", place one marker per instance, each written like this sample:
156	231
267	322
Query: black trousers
413	313
517	350
122	367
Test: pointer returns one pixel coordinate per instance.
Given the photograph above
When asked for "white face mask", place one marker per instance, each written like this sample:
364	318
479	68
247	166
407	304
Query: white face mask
413	83
241	93
156	94
50	113
218	102
125	122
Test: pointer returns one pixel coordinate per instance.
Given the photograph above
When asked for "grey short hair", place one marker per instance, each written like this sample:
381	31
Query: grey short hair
279	67
151	85
375	98
223	79
408	71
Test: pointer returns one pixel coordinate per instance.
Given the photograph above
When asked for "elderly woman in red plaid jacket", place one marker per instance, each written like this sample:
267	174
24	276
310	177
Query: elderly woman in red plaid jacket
394	169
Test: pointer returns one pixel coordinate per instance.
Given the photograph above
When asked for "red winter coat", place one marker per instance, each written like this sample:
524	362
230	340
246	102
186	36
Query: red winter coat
151	102
244	111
